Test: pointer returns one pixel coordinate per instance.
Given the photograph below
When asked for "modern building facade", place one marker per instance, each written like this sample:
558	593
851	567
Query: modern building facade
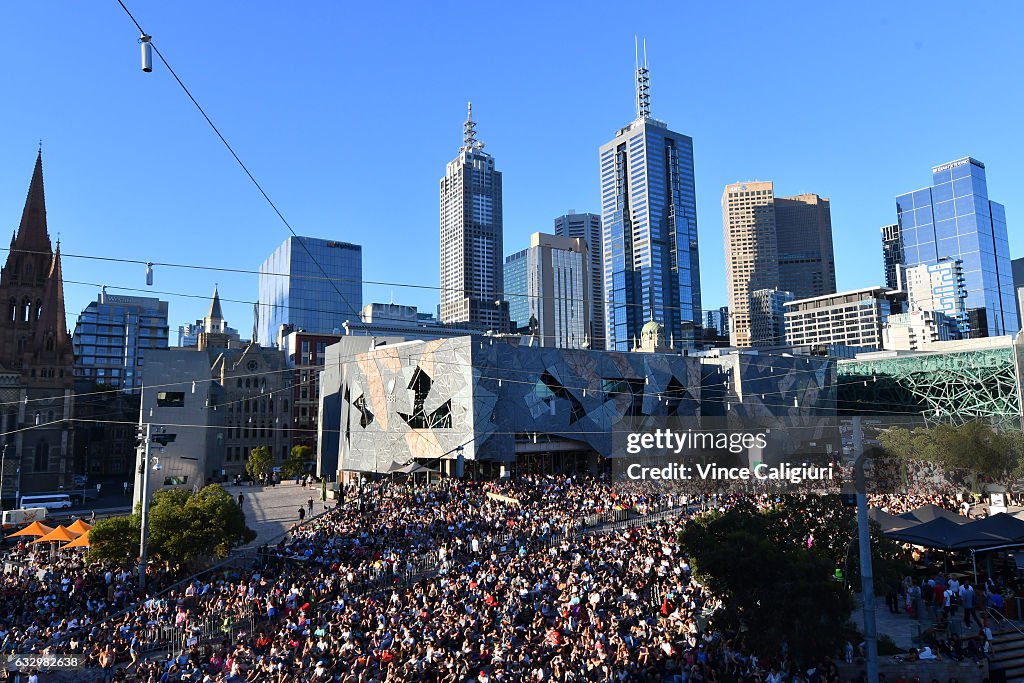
918	330
1017	268
854	318
768	316
939	287
651	264
773	243
305	352
516	291
311	284
557	295
501	404
954	218
716	326
472	280
587	226
113	335
892	255
36	358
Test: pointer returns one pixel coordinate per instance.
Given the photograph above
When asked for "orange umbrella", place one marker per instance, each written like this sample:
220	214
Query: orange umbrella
58	535
33	529
79	527
80	542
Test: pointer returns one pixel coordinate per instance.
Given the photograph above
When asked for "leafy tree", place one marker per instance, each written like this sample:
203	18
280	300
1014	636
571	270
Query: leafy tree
974	447
774	591
184	527
115	539
259	463
298	461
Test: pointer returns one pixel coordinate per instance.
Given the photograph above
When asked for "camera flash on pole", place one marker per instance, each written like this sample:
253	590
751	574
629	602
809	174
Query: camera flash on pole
147	52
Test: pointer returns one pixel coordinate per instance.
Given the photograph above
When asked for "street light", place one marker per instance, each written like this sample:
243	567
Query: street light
3	468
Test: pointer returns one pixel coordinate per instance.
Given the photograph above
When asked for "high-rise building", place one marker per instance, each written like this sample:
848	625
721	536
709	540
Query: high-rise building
939	287
854	318
557	302
768	316
587	226
892	255
516	290
1017	268
774	243
472	280
36	358
954	218
649	221
718	321
113	335
311	284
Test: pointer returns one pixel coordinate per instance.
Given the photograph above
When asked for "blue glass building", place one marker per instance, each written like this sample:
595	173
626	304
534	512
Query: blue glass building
515	289
294	290
649	223
954	219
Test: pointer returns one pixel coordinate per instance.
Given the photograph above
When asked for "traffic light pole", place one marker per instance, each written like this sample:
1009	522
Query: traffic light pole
144	507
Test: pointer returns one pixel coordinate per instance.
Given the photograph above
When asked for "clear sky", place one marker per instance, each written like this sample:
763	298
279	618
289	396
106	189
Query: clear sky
347	113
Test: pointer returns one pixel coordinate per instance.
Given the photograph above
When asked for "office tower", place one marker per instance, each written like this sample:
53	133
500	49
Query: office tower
587	226
472	282
556	308
515	291
768	316
803	236
854	318
311	284
113	335
954	218
773	243
649	221
717	320
36	357
939	287
892	255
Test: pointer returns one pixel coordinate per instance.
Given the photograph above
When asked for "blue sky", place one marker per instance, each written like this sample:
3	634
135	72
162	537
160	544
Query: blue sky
348	112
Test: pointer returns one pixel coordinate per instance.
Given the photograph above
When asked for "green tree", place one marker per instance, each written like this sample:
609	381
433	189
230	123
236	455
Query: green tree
184	527
298	461
974	447
775	592
115	539
259	463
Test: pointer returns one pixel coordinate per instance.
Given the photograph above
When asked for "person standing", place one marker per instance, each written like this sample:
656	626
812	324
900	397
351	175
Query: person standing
302	514
310	504
241	499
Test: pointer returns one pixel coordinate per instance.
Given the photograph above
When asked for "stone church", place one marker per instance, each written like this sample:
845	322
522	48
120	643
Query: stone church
36	361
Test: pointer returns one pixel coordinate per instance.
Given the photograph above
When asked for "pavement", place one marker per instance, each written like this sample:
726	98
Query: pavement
271	510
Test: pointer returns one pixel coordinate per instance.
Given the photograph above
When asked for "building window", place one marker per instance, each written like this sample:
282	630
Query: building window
42	456
171	399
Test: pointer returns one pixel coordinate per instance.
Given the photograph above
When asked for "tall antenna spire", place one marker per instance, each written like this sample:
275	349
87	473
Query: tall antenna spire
469	140
643	83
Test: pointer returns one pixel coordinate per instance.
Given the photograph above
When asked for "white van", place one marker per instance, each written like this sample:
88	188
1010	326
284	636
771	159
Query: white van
54	501
13	518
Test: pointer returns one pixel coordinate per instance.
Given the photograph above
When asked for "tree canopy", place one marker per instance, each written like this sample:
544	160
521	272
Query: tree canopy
259	463
299	461
973	446
184	527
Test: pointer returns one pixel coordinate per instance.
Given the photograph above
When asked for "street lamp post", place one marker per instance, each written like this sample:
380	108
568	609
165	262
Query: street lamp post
144	507
866	576
3	468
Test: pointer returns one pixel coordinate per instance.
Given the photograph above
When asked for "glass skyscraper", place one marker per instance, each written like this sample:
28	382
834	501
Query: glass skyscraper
515	289
294	290
649	222
954	219
587	226
112	336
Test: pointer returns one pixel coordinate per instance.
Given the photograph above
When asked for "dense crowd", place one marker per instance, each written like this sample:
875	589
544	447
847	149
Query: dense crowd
455	582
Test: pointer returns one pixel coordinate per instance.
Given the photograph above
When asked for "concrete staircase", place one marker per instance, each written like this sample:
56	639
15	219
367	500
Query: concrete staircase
1006	661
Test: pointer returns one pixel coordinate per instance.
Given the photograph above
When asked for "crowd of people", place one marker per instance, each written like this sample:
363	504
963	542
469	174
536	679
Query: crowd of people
457	581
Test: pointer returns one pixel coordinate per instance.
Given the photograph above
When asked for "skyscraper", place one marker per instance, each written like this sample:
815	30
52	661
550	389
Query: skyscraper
649	223
516	290
939	287
773	243
892	255
112	336
310	284
954	218
472	280
587	226
768	316
556	308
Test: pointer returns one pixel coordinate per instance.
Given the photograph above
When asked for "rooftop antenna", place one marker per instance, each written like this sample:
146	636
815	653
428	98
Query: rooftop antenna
643	83
469	141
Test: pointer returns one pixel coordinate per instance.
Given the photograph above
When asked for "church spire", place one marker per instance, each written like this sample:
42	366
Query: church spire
32	234
51	323
215	318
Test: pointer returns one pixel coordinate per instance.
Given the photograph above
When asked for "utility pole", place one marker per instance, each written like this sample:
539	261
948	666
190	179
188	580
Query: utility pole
867	580
144	504
3	467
